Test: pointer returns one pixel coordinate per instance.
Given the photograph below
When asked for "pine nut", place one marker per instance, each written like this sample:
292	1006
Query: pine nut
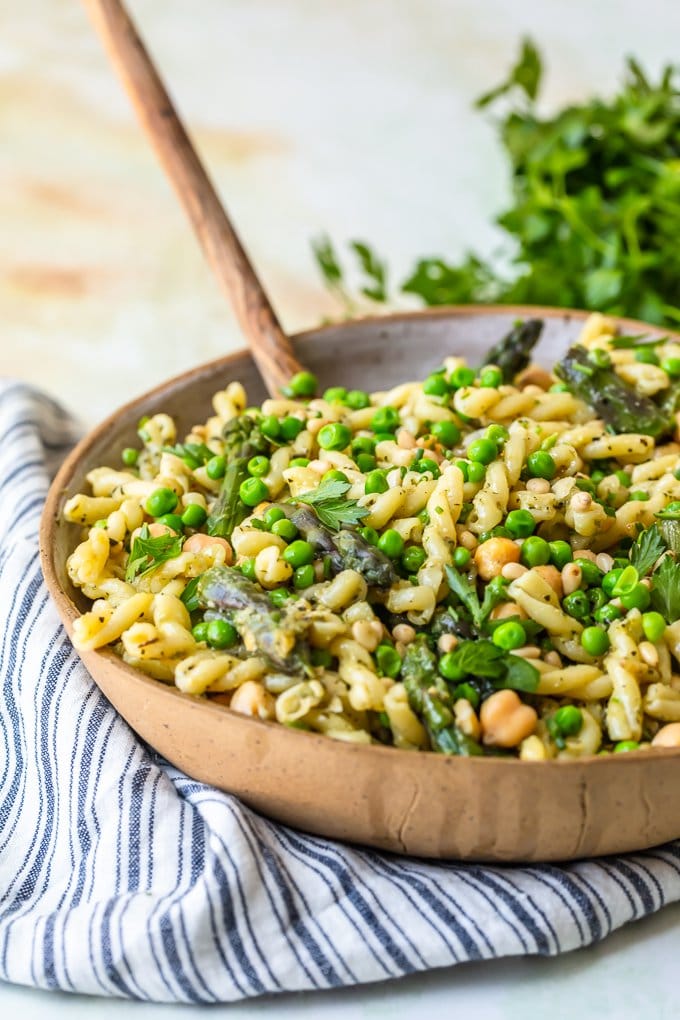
468	540
447	642
571	578
405	439
553	659
528	652
649	654
605	562
404	632
581	502
538	485
511	571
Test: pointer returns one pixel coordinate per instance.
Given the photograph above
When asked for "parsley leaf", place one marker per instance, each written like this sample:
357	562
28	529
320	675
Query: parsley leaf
629	343
646	549
148	553
505	671
375	271
330	506
466	591
666	589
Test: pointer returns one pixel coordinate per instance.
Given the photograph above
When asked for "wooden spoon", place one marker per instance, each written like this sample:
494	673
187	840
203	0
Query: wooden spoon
269	345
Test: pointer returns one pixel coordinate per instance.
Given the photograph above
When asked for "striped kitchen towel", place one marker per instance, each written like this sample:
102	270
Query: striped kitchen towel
120	876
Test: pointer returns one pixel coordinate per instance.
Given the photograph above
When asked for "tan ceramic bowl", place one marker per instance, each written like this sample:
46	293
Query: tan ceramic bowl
408	802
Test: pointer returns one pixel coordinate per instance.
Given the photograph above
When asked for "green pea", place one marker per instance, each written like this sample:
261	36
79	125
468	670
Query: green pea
577	605
385	419
435	386
597	598
591	574
247	568
468	692
568	720
173	521
376	482
252	491
284	529
273	514
610	581
270	426
389	661
626	745
498	434
541	465
639	496
596	477
624	478
194	516
646	356
462	376
298	553
216	467
391	543
607	614
461	557
363	444
335	395
161	501
369	535
509	635
637	598
200	631
424	464
303	577
299	462
357	400
303	384
490	377
290	428
449	668
535	552
221	634
476	471
258	466
335	476
671	366
627	580
560	553
559	387
129	456
520	523
413	559
334	436
279	596
483	450
321	657
365	462
594	640
446	432
464	468
654	626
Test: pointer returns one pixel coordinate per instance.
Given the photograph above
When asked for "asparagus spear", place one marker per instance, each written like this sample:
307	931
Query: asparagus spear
621	408
429	697
345	549
512	354
264	629
243	440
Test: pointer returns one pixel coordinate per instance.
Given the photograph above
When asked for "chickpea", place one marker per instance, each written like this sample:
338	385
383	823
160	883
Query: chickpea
552	576
251	698
492	556
198	542
668	736
505	720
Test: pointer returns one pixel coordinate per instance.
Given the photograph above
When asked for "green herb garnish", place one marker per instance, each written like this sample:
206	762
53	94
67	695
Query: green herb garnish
148	553
646	549
330	506
193	452
666	589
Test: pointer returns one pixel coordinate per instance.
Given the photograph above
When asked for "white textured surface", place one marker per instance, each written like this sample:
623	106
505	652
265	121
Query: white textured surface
353	118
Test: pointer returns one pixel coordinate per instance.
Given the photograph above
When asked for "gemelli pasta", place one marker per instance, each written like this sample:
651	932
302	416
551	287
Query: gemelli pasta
484	562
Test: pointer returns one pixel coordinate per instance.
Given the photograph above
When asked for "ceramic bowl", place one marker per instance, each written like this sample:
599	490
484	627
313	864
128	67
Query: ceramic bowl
416	803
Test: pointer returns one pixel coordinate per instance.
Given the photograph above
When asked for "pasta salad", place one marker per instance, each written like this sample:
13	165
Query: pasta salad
485	562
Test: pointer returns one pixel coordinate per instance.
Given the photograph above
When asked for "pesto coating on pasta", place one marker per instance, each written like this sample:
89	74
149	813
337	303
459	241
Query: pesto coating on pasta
482	562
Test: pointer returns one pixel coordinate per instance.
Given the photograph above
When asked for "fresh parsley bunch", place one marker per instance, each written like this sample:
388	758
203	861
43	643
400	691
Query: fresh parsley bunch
595	215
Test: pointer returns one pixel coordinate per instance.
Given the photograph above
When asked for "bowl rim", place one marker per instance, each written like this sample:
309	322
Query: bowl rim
50	522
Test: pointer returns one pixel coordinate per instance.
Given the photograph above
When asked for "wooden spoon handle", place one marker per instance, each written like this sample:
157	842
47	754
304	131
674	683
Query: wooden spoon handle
270	346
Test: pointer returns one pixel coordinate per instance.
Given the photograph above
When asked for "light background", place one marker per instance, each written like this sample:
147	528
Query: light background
351	117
